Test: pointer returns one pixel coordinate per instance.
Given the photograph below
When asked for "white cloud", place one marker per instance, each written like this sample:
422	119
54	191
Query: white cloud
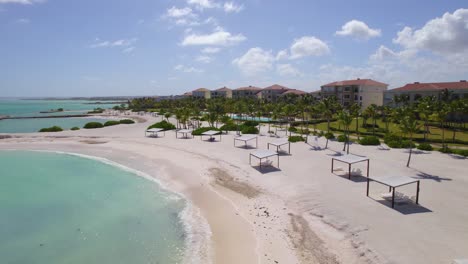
204	59
128	50
231	7
384	53
179	12
22	2
287	70
116	43
282	55
358	30
217	38
22	21
443	35
255	61
210	50
187	69
202	4
308	46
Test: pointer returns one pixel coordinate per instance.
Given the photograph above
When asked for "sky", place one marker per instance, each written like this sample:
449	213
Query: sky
168	47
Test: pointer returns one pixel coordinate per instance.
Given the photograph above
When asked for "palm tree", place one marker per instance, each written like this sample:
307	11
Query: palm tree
345	119
386	116
289	112
167	115
409	126
440	116
355	110
327	107
424	109
372	110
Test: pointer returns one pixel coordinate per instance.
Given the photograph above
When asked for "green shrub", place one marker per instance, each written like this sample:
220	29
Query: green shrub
111	123
446	150
462	152
296	139
51	129
249	130
75	128
292	129
199	131
391	137
342	138
96	111
329	135
92	125
127	121
163	124
250	123
230	126
425	146
369	141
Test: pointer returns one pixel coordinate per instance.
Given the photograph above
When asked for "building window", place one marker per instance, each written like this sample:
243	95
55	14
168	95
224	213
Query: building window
355	97
346	89
346	96
356	89
360	98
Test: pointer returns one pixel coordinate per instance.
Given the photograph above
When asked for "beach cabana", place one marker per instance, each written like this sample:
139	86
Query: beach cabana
280	142
263	154
350	159
393	182
154	132
245	138
184	132
211	134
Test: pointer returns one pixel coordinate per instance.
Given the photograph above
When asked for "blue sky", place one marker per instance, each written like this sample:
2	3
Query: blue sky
163	47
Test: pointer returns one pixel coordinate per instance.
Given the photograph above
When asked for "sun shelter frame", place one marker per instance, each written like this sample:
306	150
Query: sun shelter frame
211	133
280	142
246	138
184	132
155	131
263	154
350	159
393	182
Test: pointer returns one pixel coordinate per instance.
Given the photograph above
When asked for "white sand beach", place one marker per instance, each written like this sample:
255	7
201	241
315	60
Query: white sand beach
299	213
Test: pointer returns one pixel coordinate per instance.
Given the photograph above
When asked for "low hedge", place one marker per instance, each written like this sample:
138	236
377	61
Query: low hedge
51	129
127	121
249	130
342	138
163	124
111	123
461	152
329	135
199	131
250	123
296	139
92	125
229	127
75	128
369	141
425	146
292	129
400	144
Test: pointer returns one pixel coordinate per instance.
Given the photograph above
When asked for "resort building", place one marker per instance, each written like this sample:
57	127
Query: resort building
417	90
246	92
295	92
222	92
201	93
273	92
364	92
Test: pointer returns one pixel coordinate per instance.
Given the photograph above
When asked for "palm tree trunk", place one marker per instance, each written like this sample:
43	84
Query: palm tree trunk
410	150
357	127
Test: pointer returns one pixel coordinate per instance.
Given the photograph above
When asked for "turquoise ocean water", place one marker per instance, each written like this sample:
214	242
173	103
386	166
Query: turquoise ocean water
60	208
16	107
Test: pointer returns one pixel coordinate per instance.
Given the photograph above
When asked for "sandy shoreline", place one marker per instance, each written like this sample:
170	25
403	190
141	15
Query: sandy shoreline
299	214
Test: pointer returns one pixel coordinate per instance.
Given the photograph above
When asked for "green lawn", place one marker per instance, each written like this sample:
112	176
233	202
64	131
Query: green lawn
435	132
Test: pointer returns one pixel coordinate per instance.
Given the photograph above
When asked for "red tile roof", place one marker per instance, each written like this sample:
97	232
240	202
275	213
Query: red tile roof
248	88
201	90
223	89
188	94
276	87
368	82
433	86
294	91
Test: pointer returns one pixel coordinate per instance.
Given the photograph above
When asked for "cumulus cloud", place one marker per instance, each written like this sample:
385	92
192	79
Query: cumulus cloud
282	55
287	70
116	43
255	61
22	21
443	35
218	38
187	69
202	4
179	12
210	50
358	30
22	2
128	50
308	46
384	53
231	7
204	59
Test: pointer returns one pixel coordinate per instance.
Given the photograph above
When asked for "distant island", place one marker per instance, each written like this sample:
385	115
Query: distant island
52	111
